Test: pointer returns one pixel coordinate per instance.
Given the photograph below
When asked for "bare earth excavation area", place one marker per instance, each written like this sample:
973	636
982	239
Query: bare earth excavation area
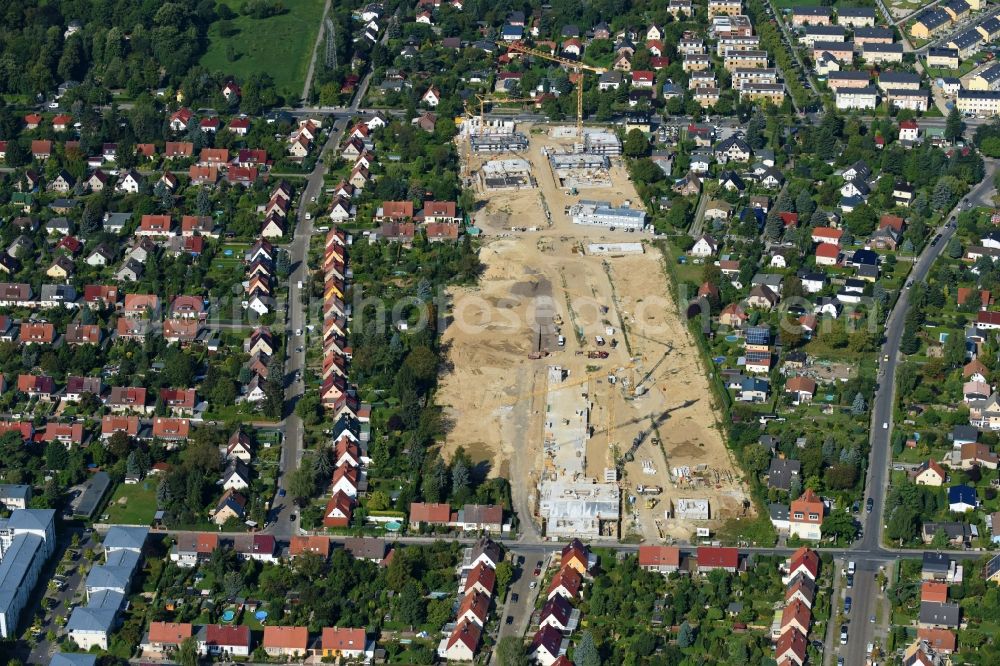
596	305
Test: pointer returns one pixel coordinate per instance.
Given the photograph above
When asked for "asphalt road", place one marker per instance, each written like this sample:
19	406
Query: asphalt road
868	551
520	610
281	523
63	606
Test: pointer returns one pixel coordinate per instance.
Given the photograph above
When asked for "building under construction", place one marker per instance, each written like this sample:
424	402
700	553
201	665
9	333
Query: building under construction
514	142
506	175
569	502
601	142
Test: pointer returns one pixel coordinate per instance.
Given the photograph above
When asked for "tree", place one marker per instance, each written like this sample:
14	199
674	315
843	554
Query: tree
909	343
302	483
685	636
804	204
902	525
378	500
954	349
510	652
504	574
953	125
459	475
636	144
203	201
411	606
586	653
187	652
132	465
232	584
842	475
954	248
756	458
839	524
774	226
862	220
858	406
56	456
163	496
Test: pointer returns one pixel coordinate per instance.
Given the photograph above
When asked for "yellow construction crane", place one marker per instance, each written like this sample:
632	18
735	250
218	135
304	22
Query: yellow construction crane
571	64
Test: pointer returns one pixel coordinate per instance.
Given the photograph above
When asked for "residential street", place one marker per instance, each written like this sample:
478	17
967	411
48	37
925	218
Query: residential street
281	523
868	549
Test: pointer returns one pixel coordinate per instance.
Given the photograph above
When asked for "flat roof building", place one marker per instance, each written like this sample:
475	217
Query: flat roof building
601	142
27	539
602	214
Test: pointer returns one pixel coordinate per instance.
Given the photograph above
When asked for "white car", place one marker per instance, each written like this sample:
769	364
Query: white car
885	425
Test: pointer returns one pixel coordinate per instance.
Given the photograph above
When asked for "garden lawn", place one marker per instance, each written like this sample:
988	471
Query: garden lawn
280	46
133	504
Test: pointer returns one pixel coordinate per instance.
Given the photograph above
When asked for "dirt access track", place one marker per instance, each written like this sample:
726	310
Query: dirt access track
540	284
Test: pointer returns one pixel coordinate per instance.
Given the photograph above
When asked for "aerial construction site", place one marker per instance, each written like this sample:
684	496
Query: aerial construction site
571	370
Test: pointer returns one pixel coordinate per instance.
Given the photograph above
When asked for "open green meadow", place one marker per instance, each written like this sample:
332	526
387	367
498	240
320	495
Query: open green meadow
280	45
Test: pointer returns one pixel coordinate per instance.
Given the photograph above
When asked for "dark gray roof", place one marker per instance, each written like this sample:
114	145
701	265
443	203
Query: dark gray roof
855	11
96	488
953	529
942	52
874	32
895	47
850	75
811	11
781	472
965	432
944	614
990	74
899	77
932	18
936	562
991	25
967	39
828	30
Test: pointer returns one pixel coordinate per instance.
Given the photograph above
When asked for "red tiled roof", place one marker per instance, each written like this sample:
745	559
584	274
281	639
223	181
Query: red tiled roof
320	545
227	635
657	556
727	558
289	638
343	639
934	591
941	640
422	512
172	633
807	558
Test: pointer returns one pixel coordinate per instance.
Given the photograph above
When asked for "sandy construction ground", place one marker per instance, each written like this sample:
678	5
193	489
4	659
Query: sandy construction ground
540	284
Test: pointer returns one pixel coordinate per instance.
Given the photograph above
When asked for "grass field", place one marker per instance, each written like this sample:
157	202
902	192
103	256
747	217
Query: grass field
133	504
280	46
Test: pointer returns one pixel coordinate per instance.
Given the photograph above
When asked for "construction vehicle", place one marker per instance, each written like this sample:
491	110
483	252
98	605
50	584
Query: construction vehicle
578	67
651	502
